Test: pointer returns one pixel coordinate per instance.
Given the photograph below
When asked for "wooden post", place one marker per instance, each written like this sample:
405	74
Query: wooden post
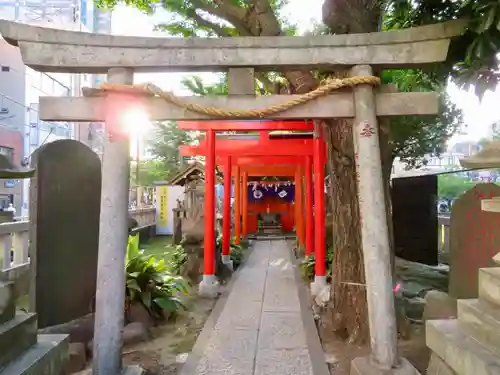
208	285
374	231
319	207
244	204
299	209
237	205
113	234
309	207
226	215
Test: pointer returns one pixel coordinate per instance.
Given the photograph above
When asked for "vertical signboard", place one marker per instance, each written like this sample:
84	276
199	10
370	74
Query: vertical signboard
165	202
162	210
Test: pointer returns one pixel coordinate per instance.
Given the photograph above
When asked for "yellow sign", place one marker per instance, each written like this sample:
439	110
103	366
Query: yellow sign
163	205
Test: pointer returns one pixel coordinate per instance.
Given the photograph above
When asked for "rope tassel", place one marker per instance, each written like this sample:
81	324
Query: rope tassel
323	90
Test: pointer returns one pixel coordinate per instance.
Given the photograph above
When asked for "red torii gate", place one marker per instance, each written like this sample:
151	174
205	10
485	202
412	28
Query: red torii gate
309	152
292	171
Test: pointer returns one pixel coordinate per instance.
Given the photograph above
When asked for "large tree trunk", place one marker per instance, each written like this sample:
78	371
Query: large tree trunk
348	299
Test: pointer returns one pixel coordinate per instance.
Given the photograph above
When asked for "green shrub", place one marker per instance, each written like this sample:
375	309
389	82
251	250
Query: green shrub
178	258
309	262
148	282
237	251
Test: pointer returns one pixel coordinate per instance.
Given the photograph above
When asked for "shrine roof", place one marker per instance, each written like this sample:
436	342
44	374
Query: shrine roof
193	170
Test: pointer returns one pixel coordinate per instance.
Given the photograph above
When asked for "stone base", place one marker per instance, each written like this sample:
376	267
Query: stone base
320	290
439	305
209	287
47	357
134	370
438	367
129	370
226	259
365	366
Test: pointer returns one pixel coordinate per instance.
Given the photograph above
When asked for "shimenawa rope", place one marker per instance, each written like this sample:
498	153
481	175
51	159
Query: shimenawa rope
152	90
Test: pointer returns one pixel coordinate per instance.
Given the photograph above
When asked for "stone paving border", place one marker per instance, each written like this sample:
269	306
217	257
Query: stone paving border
194	357
244	345
313	341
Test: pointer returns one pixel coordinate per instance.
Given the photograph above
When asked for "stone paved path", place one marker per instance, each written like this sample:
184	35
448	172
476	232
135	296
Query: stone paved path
261	329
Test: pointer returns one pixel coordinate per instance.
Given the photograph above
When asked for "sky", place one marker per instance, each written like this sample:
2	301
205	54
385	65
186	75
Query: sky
477	116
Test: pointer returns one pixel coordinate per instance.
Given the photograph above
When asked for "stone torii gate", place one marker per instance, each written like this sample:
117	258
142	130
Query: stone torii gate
50	50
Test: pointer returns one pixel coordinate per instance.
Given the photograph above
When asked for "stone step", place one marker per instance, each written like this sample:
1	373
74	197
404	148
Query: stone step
7	301
464	354
481	320
46	357
489	285
16	336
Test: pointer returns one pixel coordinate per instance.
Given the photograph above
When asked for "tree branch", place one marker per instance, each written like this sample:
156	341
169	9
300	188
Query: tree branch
226	11
265	18
202	22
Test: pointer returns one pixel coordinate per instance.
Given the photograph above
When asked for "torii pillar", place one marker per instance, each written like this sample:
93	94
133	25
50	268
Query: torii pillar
113	234
299	209
309	207
374	235
237	206
244	205
209	285
319	285
226	215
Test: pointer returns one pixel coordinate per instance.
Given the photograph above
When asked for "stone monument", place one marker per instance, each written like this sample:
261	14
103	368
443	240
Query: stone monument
471	343
65	199
22	351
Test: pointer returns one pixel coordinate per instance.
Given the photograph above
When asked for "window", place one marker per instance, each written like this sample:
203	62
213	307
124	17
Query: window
5	68
8	152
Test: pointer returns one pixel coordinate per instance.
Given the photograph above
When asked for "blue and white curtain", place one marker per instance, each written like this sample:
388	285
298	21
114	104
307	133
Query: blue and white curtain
259	191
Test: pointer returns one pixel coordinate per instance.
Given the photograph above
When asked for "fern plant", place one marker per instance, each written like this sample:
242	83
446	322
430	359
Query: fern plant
149	283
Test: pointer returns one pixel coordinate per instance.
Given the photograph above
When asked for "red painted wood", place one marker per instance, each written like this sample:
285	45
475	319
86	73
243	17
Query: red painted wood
319	206
209	240
245	125
252	150
253	224
309	207
226	215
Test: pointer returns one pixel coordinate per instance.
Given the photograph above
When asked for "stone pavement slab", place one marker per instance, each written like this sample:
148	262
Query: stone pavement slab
264	326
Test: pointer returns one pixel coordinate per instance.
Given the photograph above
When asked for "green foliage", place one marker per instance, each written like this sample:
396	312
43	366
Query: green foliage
413	137
237	253
197	87
450	186
148	282
164	146
472	59
149	172
308	263
177	260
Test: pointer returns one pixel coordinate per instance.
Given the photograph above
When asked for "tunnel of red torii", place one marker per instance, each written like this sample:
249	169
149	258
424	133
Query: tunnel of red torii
299	156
